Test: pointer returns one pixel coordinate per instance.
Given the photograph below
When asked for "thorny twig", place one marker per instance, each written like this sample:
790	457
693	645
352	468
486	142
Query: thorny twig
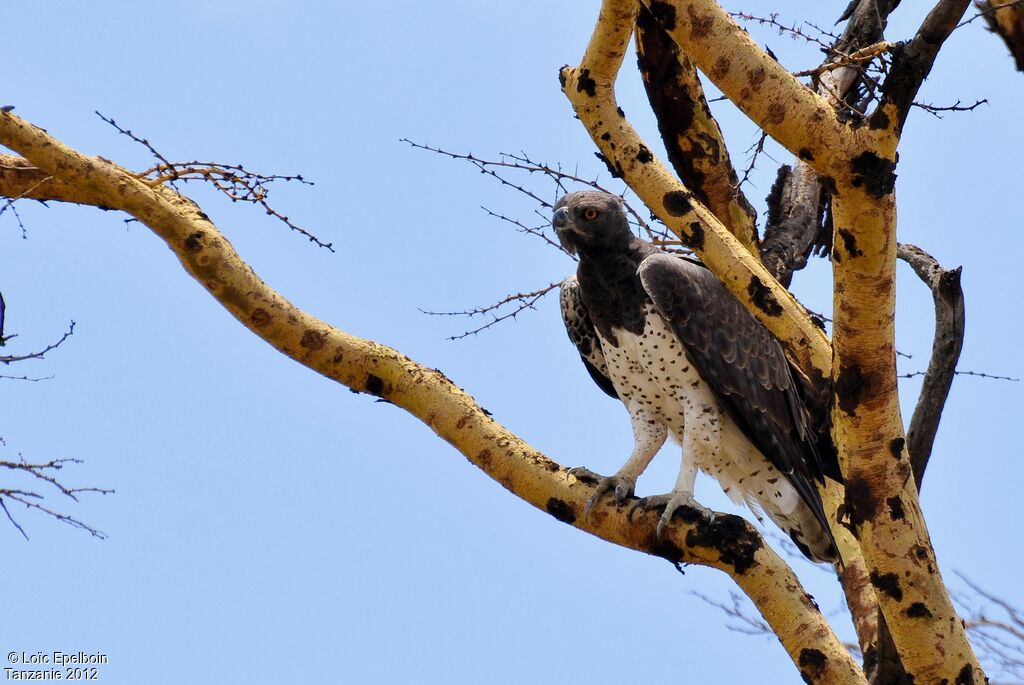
233	180
523	301
562	181
936	110
9	204
757	149
538	231
34	500
26	378
521	162
736	609
793	31
9	359
976	374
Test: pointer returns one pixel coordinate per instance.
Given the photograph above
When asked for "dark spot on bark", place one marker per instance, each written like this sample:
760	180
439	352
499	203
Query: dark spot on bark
700	27
896	447
879	119
763	298
732	536
606	136
966	676
312	340
889	583
896	512
338	356
561	75
561	511
585	84
374	385
202	215
876	174
677	202
918	610
812	663
696	237
806	155
665	14
484	458
614	169
776	113
808	601
755	77
644	156
849	388
721	68
861	504
621	113
666	549
194	242
850	243
259	317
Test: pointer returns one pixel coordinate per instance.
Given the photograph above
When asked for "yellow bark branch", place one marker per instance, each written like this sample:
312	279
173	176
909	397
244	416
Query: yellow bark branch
881	495
730	543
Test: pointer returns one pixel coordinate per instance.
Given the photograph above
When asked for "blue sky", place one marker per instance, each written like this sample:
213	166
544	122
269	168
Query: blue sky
270	526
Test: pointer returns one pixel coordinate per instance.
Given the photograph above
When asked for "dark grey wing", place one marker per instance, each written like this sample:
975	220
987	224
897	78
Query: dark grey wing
745	366
581	331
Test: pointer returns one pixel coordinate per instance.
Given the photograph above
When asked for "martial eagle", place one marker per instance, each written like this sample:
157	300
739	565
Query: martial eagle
659	332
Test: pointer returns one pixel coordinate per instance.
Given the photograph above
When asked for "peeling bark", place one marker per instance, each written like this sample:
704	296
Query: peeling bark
946	347
693	139
796	208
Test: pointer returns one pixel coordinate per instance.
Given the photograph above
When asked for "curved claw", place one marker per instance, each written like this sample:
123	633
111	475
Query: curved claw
621	486
671	502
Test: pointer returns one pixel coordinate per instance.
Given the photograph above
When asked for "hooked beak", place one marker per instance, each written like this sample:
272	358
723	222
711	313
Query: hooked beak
562	223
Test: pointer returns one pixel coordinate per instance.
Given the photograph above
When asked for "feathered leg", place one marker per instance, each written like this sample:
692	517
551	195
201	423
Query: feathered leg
700	440
649	434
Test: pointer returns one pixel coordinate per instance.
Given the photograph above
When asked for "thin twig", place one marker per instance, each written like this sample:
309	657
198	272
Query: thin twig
233	180
976	374
34	500
523	301
9	359
937	110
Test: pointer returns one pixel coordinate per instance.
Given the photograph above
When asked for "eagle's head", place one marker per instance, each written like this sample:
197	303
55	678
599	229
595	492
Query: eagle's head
590	221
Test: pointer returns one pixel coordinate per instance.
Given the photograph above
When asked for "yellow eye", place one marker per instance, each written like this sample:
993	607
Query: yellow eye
590	214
